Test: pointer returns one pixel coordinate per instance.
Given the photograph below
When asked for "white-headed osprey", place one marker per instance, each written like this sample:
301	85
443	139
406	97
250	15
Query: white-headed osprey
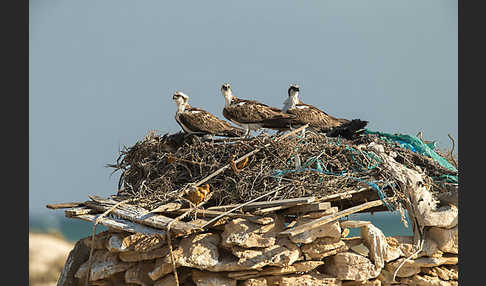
318	119
251	114
200	122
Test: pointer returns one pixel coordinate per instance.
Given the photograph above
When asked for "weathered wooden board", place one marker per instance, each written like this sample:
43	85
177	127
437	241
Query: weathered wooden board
268	204
167	208
213	213
79	211
270	210
314	207
344	195
141	216
326	219
63	205
121	224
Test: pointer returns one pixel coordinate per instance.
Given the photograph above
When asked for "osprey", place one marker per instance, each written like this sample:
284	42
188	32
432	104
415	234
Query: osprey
318	119
251	114
200	122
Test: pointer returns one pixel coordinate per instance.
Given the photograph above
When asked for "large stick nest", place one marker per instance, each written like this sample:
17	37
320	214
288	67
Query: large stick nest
157	169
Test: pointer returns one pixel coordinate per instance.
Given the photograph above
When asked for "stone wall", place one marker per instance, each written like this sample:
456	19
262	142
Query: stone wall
252	253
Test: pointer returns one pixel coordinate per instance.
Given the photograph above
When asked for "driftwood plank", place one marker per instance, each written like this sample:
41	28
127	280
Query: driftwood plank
63	205
268	204
270	210
326	219
213	213
79	211
167	208
314	207
142	216
344	195
121	224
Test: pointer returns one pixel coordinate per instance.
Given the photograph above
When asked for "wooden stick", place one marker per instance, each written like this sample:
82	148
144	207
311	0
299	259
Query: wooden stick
238	207
329	218
212	213
269	204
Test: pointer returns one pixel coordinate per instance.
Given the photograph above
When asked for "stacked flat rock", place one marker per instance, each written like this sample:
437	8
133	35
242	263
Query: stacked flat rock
241	252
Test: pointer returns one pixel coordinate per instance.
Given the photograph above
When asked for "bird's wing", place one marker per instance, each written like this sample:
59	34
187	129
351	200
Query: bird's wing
250	111
308	114
199	120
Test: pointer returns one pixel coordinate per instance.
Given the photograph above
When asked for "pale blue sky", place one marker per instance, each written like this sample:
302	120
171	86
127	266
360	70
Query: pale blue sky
102	72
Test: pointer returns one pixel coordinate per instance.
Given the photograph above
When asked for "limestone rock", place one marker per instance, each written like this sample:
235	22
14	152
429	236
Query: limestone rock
445	217
408	269
374	282
385	276
169	279
227	263
361	249
331	229
407	248
310	279
211	279
104	264
143	243
200	250
197	251
114	244
436	261
412	267
323	247
443	272
255	282
350	266
376	242
300	267
134	256
393	250
426	280
100	240
282	253
447	239
352	241
244	233
163	266
139	273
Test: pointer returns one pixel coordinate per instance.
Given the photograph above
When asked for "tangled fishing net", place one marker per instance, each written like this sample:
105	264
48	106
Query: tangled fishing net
156	169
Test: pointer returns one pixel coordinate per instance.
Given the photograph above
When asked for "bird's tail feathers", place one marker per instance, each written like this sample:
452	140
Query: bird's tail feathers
348	130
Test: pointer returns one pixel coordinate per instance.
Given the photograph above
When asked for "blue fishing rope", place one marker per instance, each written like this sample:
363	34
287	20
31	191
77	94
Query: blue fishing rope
381	194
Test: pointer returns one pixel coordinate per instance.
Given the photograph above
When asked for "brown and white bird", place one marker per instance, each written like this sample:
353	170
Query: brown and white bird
200	122
318	119
251	114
